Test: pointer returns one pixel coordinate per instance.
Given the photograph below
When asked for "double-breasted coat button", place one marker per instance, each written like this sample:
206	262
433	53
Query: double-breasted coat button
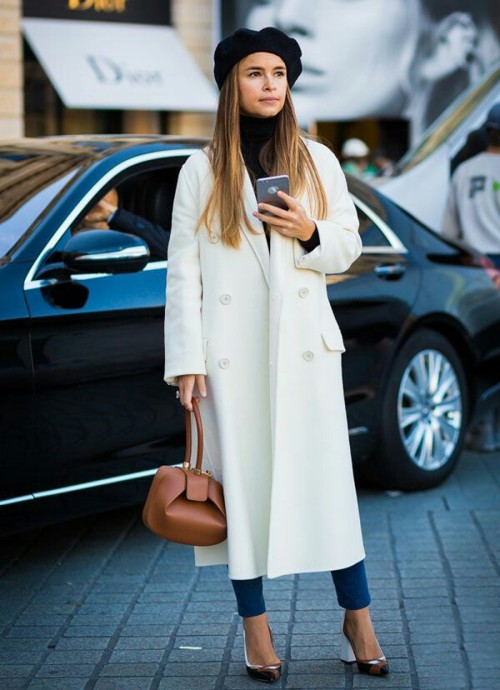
224	363
225	299
303	292
308	355
213	237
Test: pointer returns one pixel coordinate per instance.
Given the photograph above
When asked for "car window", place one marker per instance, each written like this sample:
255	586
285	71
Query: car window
19	214
144	204
371	234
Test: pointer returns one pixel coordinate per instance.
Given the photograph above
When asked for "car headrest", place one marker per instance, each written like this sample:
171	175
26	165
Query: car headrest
151	196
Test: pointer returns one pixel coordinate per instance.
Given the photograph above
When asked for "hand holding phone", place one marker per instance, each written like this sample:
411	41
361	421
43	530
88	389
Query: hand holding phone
268	188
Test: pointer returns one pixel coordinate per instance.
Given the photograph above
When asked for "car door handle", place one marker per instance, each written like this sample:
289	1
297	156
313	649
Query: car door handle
390	271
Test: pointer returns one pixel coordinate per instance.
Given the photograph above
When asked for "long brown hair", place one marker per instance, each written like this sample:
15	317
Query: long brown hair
285	154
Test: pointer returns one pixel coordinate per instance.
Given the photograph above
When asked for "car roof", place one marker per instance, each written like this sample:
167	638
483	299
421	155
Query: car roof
93	146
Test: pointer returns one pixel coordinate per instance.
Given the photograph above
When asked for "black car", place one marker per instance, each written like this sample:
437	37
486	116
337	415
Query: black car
85	417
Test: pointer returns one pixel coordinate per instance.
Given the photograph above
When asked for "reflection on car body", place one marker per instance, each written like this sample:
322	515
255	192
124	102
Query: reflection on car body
85	415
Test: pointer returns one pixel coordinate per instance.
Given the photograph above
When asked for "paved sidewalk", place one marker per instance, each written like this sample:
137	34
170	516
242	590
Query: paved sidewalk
101	604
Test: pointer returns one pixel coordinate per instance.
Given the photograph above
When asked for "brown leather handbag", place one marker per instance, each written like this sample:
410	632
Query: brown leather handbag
186	504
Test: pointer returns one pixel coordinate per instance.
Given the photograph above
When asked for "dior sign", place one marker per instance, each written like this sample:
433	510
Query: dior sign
109	71
118	66
97	5
152	12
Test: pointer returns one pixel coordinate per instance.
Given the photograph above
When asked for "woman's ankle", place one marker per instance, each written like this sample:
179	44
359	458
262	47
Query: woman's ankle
259	622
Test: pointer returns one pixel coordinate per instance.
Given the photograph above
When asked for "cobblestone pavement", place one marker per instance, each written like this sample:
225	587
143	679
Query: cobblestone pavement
101	604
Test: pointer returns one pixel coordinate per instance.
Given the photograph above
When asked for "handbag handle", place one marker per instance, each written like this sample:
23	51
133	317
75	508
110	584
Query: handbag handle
199	437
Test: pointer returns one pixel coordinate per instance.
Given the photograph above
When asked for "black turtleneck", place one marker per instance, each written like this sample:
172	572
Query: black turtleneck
254	133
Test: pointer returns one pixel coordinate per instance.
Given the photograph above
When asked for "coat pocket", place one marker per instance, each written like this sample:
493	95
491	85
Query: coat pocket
332	340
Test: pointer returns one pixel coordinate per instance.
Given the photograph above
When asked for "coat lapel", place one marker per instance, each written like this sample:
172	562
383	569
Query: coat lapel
257	240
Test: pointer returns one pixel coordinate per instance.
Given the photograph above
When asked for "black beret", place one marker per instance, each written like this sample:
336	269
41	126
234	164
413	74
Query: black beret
246	41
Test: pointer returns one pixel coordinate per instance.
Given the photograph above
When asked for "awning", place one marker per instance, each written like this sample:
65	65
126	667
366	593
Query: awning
118	66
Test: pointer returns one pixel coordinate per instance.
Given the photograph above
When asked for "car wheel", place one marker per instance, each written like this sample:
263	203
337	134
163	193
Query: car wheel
424	415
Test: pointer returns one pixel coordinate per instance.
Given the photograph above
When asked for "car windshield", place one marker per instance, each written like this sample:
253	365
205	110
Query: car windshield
30	181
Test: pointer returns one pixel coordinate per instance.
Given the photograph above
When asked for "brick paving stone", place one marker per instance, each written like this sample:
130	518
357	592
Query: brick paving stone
192	683
243	682
142	642
15	671
89	630
200	640
315	666
73	657
188	668
65	671
314	653
16	684
207	617
443	683
209	630
196	655
57	684
44	619
19	657
26	632
130	670
161	630
129	656
393	680
96	619
82	643
315	681
118	684
211	606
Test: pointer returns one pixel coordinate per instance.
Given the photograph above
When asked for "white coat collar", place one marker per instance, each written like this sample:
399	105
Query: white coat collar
257	240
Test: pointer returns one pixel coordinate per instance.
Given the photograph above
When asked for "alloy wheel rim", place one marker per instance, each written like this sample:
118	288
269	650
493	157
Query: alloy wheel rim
430	409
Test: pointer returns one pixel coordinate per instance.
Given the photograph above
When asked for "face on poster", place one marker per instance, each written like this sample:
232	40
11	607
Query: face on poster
378	58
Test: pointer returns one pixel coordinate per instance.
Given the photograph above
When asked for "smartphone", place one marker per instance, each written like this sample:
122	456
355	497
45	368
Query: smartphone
268	188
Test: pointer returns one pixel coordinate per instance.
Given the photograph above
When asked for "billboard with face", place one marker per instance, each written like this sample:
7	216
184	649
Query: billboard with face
379	58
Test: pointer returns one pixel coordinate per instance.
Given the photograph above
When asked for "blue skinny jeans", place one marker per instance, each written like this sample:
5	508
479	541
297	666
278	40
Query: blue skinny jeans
350	583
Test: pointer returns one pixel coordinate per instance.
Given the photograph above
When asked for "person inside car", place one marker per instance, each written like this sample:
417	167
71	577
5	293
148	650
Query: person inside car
107	214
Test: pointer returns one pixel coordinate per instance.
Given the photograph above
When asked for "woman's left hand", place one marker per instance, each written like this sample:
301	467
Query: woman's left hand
294	222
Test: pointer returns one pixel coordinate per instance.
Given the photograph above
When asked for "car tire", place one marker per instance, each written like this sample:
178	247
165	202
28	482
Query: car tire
424	415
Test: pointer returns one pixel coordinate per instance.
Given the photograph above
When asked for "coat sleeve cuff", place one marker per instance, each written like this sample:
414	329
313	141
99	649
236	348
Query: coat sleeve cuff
339	247
311	244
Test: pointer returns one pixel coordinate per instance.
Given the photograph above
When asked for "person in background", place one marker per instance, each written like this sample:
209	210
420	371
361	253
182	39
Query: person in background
472	214
356	155
472	211
477	142
385	165
106	215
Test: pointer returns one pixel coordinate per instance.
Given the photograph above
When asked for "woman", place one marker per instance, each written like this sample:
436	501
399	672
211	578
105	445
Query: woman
249	328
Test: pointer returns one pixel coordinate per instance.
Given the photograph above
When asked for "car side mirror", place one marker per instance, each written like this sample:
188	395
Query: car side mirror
105	251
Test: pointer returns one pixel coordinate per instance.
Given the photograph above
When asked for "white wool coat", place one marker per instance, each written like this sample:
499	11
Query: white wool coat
259	324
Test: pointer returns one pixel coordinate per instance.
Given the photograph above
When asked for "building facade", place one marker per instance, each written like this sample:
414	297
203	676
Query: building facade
11	70
383	78
31	100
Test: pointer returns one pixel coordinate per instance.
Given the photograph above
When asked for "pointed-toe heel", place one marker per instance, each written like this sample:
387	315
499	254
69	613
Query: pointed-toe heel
371	667
261	672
